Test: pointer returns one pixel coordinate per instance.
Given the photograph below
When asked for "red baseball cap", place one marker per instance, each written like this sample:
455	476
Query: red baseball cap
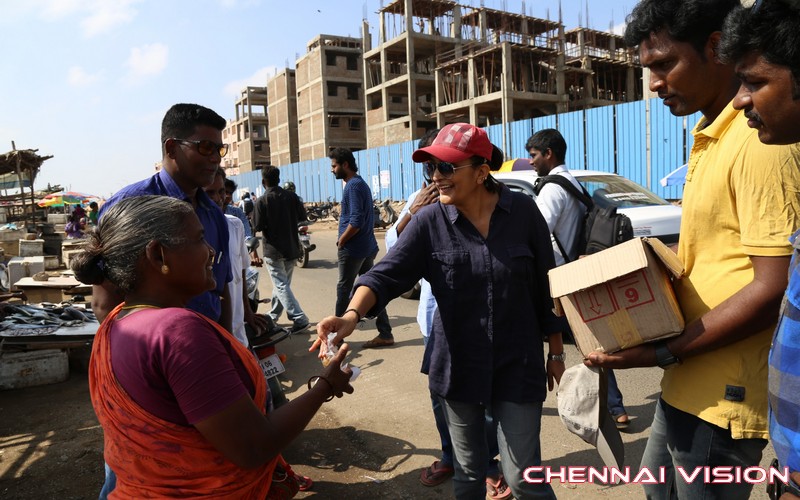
457	142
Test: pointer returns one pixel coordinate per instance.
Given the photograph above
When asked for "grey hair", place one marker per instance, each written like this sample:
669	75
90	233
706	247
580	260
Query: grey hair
122	235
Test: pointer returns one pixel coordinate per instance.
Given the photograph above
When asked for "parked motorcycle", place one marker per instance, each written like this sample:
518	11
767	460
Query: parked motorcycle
385	214
305	242
322	211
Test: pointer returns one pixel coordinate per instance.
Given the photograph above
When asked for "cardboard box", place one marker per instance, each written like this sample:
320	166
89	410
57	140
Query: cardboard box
620	297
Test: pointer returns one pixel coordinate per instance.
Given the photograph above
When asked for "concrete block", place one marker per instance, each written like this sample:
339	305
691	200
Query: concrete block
22	267
57	218
30	248
32	368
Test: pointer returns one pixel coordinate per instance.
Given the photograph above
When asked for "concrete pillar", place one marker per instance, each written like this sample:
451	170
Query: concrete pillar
507	103
410	58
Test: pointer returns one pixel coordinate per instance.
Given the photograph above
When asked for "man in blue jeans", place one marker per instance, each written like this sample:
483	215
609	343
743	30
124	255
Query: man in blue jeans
356	243
276	214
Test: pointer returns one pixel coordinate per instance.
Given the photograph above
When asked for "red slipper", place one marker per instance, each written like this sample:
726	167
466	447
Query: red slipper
436	474
305	482
497	488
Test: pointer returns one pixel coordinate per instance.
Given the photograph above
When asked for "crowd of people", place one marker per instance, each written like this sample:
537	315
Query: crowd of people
186	410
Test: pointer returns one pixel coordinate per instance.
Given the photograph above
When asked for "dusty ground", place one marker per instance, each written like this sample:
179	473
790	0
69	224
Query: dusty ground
371	444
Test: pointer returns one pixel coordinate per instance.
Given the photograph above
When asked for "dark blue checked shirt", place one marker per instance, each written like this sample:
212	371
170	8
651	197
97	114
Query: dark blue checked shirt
784	372
357	212
493	295
216	233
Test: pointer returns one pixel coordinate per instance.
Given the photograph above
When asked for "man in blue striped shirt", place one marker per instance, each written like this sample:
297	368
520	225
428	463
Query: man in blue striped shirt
356	243
762	40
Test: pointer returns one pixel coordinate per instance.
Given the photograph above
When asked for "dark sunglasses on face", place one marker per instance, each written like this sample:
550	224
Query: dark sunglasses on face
206	147
446	170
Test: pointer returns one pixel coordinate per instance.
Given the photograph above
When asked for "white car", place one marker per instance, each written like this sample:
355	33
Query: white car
651	215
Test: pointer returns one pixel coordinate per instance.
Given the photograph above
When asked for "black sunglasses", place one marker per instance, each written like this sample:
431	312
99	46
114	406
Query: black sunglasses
206	147
446	170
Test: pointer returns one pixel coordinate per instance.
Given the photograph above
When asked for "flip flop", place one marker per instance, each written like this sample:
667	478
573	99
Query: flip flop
436	474
622	421
305	482
497	488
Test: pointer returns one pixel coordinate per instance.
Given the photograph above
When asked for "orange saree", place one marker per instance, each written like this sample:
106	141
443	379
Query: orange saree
153	458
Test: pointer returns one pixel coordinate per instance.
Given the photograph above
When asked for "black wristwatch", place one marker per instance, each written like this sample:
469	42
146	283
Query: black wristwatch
664	356
557	357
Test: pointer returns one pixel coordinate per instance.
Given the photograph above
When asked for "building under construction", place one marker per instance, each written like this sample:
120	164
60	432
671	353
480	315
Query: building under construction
282	110
330	98
249	130
440	62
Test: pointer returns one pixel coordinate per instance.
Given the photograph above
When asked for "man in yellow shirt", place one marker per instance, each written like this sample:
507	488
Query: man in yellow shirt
740	206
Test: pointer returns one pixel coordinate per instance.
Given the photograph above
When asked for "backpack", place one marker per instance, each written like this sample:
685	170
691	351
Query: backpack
247	206
602	227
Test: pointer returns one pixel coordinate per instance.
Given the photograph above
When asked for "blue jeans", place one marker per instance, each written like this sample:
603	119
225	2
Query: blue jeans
518	427
280	270
615	406
679	439
492	467
350	268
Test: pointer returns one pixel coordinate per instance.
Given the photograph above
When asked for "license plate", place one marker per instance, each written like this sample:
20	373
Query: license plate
271	366
305	237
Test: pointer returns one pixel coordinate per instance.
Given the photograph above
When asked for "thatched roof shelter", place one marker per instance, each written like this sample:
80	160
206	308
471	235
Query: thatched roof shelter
18	169
28	162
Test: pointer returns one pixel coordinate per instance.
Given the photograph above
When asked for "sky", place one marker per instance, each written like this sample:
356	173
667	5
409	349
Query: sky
88	81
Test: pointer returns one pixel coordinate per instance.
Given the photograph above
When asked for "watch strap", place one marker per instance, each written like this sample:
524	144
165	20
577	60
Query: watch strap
664	356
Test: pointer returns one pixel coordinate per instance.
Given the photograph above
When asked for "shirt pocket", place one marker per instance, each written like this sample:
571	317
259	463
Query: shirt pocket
521	263
452	267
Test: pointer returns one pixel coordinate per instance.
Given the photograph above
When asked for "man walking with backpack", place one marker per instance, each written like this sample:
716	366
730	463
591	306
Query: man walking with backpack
564	209
563	212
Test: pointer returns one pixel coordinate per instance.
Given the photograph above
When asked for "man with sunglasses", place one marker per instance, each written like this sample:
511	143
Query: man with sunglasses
763	42
740	206
356	243
191	143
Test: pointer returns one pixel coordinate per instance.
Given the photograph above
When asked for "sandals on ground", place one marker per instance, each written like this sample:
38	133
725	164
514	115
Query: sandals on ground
436	474
622	421
497	488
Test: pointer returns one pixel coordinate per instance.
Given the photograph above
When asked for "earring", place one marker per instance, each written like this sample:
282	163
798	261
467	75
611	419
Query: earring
164	269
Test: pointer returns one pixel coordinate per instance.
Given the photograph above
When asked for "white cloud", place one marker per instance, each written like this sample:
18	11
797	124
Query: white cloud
147	61
257	79
107	14
78	77
619	29
98	16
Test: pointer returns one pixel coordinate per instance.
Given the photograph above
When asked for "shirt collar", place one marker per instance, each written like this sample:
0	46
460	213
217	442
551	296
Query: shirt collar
715	129
558	169
171	187
174	191
504	203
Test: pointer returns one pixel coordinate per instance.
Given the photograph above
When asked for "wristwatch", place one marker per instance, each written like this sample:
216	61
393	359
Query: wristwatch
664	356
557	357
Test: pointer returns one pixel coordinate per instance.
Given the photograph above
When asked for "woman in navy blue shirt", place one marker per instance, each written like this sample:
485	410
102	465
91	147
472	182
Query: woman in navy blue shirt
486	252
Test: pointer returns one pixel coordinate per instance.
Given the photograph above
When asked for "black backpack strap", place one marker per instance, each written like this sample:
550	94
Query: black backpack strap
565	184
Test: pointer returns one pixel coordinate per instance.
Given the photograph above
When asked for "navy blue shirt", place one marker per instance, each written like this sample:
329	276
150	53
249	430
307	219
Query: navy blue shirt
214	224
357	212
493	295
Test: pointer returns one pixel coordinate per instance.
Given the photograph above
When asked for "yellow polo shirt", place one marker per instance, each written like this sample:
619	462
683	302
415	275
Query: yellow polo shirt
741	198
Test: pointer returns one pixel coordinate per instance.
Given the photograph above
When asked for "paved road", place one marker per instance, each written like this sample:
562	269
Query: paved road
373	443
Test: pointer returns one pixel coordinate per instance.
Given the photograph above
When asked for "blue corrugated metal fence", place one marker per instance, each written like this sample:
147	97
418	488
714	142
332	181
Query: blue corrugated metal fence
612	139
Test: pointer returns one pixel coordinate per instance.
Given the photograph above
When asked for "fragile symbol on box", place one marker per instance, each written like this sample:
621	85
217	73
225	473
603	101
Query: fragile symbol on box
627	292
